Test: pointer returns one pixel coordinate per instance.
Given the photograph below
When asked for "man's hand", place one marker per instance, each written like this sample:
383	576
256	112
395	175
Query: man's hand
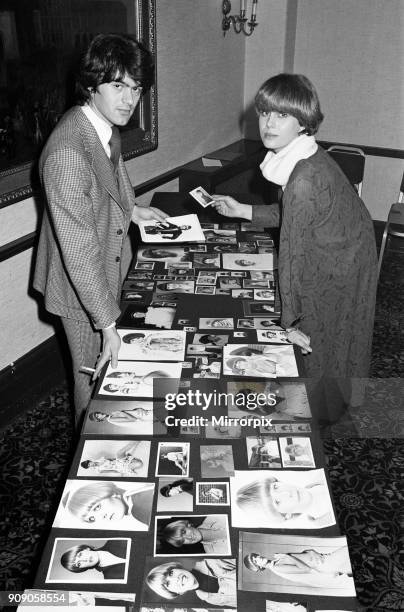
111	343
295	336
147	213
229	207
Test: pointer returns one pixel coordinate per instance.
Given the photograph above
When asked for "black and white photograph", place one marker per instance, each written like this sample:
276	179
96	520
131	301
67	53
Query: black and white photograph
105	504
172	459
185	228
216	460
195	197
213	493
189	582
264	294
122	417
148	316
151	345
89	560
205	290
206	260
242	293
263	452
175	494
174	286
192	535
114	458
258	308
258	360
248	261
284	499
296	452
201	196
135	378
216	323
206	280
295	564
212	339
274	336
164	253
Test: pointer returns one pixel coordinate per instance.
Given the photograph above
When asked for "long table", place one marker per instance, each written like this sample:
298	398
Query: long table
214	455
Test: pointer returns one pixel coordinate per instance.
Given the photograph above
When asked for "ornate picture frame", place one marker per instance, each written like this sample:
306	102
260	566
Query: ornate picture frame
39	49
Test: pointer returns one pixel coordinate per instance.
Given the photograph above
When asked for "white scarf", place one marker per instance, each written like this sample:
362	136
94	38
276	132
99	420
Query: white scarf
277	167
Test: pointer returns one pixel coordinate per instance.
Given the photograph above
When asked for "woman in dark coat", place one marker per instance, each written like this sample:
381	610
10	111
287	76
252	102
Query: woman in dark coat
327	254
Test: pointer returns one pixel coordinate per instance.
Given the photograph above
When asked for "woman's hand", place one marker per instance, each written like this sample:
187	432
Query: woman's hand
295	336
229	207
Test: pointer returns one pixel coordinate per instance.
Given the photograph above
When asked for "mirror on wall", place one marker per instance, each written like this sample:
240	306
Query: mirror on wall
40	45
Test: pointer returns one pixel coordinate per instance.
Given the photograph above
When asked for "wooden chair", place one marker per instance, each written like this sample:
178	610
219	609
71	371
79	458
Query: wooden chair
351	160
394	224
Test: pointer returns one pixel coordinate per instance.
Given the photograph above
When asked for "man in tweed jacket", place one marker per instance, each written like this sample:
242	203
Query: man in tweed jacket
90	204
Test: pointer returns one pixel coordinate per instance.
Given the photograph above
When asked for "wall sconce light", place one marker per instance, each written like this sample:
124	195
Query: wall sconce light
240	22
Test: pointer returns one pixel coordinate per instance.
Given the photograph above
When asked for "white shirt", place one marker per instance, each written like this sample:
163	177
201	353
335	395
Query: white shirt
104	131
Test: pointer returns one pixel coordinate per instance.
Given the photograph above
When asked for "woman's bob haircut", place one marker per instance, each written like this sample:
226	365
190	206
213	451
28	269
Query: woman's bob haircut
293	94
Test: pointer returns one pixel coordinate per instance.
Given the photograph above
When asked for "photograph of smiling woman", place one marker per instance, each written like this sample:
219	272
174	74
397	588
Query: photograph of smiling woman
99	504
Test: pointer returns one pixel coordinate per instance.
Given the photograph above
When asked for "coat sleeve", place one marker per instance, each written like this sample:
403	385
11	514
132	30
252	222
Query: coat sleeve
265	216
67	183
299	211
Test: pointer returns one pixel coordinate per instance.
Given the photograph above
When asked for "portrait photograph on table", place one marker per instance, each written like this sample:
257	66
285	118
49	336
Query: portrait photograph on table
277	400
175	494
172	458
216	323
114	458
237	261
263	452
274	336
89	560
105	504
206	260
171	286
192	535
295	564
135	378
151	345
258	308
258	360
164	253
118	417
189	582
213	493
148	316
296	452
281	499
185	228
216	460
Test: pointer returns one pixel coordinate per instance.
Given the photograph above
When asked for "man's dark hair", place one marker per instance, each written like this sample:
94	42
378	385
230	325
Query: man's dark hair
110	57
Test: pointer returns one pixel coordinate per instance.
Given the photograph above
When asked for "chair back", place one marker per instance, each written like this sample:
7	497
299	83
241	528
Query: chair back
351	160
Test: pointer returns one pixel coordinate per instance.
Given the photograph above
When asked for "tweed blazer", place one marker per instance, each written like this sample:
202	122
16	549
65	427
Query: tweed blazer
88	212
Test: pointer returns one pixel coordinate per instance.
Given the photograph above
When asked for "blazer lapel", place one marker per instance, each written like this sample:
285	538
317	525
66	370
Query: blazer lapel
100	161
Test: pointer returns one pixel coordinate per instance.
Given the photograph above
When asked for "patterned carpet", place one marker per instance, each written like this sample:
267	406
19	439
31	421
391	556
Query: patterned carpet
365	457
